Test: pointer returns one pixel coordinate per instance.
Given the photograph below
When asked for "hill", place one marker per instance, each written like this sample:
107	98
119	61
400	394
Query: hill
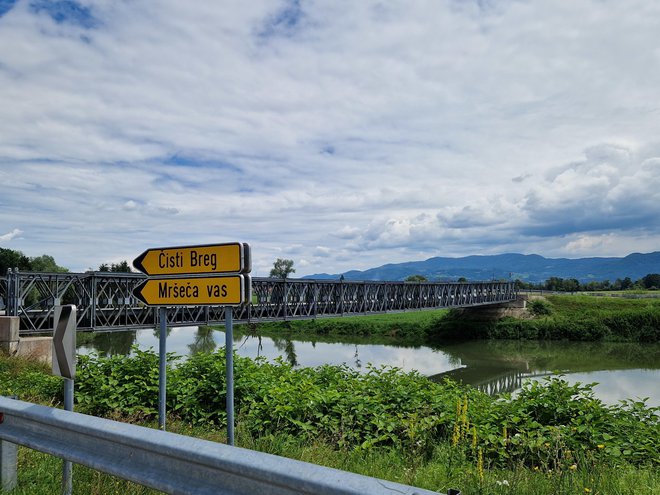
526	267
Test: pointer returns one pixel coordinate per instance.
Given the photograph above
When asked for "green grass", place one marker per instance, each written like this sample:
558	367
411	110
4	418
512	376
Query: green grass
40	474
569	317
576	318
551	438
406	326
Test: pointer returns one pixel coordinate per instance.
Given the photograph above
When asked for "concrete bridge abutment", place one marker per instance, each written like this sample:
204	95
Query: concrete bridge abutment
515	309
32	348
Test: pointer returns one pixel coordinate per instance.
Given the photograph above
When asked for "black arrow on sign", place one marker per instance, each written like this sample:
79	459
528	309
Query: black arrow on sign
58	342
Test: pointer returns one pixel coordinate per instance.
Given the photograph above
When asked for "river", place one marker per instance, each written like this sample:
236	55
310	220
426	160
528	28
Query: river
622	371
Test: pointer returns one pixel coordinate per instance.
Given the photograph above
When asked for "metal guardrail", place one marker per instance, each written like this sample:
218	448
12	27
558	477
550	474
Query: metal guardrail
105	301
169	462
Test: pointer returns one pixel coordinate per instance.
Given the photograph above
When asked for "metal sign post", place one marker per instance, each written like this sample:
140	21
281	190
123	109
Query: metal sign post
64	365
162	367
229	356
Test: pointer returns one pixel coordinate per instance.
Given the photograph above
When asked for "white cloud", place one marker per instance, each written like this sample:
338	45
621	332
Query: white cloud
396	131
10	235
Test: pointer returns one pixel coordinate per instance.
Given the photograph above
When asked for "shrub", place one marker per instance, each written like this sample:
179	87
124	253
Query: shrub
540	307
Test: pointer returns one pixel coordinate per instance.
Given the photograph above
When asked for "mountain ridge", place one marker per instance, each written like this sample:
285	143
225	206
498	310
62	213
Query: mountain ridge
526	267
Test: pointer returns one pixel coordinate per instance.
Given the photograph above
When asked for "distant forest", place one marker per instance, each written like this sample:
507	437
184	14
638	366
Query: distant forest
10	259
648	282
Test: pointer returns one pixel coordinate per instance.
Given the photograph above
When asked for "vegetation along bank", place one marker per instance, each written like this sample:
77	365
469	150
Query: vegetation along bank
551	438
551	317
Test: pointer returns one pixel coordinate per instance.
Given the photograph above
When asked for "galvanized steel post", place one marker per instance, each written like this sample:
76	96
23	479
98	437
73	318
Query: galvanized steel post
229	356
67	466
8	463
162	367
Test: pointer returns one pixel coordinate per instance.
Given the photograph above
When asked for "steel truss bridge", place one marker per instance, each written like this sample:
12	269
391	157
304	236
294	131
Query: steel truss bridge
105	300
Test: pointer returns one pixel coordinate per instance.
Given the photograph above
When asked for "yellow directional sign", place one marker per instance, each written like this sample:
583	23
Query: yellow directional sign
190	260
193	291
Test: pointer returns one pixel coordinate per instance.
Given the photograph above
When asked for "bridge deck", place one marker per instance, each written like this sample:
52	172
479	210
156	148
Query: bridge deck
105	301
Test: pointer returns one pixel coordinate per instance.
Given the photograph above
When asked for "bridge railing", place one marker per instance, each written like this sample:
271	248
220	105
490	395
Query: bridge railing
105	300
3	293
166	461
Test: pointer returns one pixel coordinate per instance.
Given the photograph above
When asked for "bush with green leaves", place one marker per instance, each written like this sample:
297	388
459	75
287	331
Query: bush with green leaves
540	307
548	424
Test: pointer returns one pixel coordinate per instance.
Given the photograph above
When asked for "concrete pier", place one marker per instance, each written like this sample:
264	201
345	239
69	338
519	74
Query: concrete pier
9	326
33	348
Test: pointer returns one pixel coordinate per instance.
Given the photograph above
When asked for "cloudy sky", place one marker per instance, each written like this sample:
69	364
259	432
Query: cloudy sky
340	134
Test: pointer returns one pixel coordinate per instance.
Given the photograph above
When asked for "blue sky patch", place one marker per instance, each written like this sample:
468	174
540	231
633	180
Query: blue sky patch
6	6
285	22
189	161
65	11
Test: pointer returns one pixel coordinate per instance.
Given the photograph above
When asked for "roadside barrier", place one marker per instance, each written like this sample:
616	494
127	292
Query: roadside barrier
167	461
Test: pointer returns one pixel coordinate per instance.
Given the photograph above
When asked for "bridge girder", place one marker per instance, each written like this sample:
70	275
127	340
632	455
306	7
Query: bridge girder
105	300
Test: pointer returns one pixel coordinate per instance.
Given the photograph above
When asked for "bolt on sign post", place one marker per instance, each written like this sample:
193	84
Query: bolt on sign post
64	365
204	275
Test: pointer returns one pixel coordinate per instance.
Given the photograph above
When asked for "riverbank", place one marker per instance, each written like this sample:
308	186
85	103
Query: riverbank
551	438
552	317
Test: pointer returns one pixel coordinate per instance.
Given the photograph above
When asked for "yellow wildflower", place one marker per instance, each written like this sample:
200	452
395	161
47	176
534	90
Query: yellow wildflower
601	446
587	490
573	467
480	464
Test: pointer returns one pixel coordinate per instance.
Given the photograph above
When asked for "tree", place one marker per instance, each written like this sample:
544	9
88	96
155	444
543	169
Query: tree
46	263
13	259
416	278
282	268
121	267
651	281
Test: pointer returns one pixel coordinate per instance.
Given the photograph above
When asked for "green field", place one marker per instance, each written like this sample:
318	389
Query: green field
555	317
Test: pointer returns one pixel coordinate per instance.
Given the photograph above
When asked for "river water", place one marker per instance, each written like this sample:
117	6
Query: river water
622	371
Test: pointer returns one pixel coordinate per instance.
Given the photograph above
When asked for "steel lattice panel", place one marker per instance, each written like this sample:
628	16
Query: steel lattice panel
3	293
105	301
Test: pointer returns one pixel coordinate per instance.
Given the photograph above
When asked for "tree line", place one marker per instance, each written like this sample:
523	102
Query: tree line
11	259
650	281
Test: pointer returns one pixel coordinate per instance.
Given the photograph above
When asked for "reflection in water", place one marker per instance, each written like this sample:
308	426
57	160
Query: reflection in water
107	343
204	341
358	363
493	366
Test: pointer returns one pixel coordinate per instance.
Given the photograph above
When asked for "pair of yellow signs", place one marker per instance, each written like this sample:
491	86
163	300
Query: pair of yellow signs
207	275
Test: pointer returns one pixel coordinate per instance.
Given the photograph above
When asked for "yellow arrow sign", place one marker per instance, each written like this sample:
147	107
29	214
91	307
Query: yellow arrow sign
189	260
192	291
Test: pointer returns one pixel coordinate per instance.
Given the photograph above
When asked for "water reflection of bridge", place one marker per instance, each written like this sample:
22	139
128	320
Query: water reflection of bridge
491	380
105	301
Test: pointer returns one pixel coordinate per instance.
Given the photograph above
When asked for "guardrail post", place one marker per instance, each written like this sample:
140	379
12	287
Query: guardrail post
8	461
8	464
